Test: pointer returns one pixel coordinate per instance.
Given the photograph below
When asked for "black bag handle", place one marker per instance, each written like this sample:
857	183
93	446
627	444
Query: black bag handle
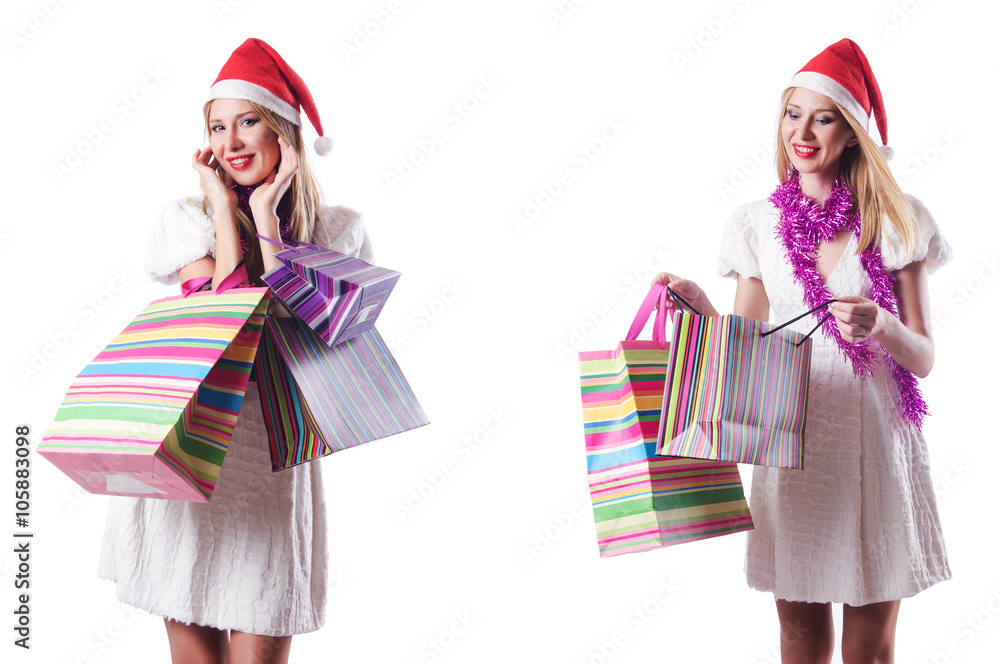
678	300
814	309
677	297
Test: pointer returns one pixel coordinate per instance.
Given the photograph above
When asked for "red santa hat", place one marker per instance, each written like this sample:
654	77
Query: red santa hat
842	73
257	73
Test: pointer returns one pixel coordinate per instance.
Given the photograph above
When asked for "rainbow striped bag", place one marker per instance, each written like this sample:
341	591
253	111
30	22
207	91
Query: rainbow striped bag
642	501
319	399
152	415
339	296
736	390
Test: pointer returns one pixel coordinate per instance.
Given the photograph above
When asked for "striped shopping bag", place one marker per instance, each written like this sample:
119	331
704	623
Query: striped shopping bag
643	501
339	296
319	399
736	390
152	415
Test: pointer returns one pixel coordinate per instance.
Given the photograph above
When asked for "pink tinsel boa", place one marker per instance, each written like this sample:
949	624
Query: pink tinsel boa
803	225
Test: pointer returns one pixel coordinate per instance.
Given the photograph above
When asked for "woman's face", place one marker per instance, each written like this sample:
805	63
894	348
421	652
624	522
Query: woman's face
246	147
814	133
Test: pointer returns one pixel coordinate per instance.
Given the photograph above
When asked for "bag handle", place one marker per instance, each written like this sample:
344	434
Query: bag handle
677	297
656	297
302	245
236	277
787	323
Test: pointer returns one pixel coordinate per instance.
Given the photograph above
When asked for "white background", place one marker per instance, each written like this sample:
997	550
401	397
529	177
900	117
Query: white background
488	315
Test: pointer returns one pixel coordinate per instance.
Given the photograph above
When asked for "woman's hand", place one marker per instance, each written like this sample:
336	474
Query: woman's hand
265	198
219	194
686	290
857	318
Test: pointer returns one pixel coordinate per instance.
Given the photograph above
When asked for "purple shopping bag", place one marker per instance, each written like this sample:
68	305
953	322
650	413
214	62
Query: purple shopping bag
338	296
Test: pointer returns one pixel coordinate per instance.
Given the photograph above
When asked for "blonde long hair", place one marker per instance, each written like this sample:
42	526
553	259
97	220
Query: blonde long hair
306	197
874	191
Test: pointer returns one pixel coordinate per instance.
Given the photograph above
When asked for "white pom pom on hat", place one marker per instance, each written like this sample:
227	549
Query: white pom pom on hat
323	145
842	73
257	73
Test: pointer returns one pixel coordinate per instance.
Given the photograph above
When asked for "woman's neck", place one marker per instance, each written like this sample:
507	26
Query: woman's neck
817	186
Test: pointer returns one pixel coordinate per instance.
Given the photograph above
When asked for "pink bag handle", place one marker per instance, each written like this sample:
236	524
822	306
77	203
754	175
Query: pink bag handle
657	296
236	277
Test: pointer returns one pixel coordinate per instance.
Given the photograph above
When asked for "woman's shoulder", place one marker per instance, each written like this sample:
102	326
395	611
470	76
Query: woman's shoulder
342	229
928	243
183	233
749	218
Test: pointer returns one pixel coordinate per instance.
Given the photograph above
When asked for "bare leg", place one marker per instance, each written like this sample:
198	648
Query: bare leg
196	644
870	633
806	632
255	649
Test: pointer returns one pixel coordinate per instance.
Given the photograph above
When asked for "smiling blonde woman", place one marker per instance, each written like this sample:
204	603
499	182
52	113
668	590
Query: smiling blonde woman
235	578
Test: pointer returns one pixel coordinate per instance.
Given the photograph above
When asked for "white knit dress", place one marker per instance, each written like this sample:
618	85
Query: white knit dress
859	523
254	558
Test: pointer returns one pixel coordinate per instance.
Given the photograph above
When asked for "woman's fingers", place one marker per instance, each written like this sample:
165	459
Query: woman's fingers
855	316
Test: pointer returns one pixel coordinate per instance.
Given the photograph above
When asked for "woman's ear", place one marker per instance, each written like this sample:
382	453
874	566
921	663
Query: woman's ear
852	141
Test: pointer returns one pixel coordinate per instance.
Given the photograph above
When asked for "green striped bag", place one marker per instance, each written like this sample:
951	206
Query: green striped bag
643	501
152	415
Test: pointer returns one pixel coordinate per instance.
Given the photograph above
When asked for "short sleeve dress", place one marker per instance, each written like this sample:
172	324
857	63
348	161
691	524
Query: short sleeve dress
859	524
254	558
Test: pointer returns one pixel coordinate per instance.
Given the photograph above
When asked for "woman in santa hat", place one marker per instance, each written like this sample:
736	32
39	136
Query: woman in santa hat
235	578
859	525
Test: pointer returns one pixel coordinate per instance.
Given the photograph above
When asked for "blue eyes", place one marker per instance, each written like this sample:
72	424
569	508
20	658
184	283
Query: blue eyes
823	120
247	122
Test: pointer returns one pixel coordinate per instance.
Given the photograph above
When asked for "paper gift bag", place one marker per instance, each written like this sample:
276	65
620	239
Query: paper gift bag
736	390
152	415
337	295
319	399
643	501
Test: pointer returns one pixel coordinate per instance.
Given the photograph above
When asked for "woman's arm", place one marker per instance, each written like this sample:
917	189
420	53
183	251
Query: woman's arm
228	252
907	338
751	299
687	290
264	202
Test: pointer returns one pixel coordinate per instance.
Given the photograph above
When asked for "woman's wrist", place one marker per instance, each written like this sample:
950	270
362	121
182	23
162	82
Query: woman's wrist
266	222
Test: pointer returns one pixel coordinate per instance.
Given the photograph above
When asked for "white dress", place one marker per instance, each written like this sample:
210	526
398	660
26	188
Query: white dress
254	558
859	523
